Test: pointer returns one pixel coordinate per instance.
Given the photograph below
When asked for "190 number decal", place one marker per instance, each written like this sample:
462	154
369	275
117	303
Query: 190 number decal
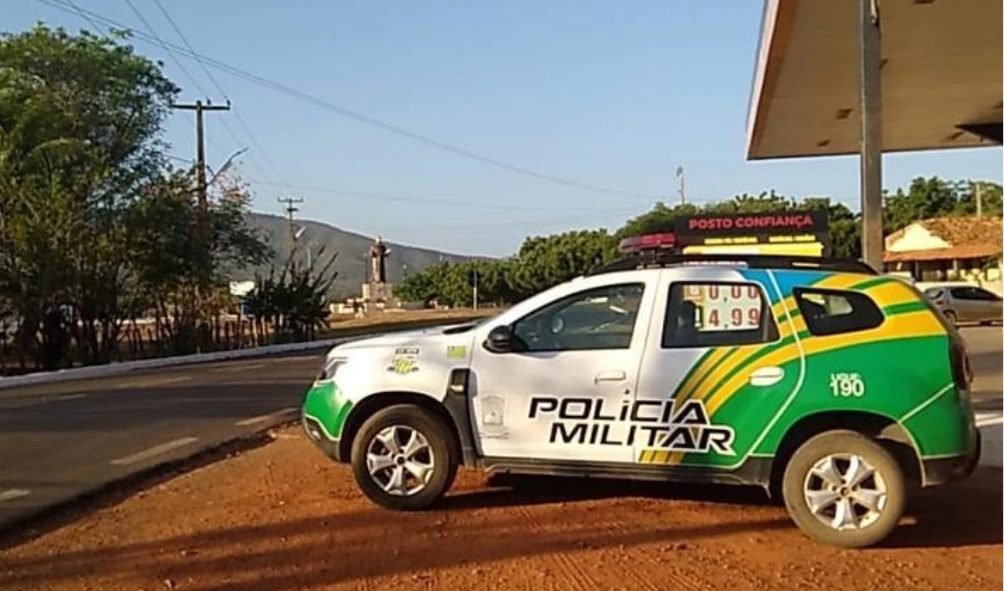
847	385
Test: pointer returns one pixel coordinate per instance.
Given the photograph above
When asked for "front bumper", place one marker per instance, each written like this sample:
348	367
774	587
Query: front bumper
943	470
316	434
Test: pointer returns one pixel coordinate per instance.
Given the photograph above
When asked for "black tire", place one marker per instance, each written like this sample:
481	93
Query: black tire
817	448
445	457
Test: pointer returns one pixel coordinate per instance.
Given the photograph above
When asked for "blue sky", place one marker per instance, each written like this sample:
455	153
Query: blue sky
609	94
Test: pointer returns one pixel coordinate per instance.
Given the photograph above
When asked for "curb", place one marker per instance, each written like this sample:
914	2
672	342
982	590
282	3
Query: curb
111	369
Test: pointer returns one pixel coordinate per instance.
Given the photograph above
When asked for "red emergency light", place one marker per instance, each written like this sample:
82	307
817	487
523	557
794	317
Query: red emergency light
648	242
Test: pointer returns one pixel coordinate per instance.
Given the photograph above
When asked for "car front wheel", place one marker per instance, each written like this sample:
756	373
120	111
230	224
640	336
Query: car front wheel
404	458
844	489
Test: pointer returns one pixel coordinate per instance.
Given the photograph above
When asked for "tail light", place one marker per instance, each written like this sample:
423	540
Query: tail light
962	372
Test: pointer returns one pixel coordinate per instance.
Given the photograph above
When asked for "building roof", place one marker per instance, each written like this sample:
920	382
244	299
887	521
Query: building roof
965	237
941	77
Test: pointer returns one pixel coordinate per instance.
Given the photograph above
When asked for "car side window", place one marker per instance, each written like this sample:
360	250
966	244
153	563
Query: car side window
717	314
961	293
600	318
980	293
828	312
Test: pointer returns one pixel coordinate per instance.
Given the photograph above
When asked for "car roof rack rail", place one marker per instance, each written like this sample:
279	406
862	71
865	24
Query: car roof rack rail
662	258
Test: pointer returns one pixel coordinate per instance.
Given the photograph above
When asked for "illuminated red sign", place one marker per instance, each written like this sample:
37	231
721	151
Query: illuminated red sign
698	229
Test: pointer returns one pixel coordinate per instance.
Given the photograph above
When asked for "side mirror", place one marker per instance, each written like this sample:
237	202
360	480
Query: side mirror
499	340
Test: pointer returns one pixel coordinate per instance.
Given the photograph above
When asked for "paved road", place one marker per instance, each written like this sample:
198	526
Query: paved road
59	440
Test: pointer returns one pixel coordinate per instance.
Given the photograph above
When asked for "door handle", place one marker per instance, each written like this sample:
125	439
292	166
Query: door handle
766	376
614	375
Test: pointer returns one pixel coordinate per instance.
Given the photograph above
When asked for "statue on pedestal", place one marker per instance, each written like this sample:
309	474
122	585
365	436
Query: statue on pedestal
378	261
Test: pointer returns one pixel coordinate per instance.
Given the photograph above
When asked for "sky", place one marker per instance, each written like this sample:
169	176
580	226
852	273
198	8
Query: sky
610	95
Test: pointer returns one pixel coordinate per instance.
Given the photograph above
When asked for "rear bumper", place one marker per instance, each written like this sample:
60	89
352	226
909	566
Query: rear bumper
318	436
943	470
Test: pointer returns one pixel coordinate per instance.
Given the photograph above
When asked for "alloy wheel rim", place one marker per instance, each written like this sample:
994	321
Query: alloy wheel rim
400	460
845	492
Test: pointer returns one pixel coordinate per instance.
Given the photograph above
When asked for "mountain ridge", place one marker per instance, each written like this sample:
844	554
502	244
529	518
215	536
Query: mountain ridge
352	263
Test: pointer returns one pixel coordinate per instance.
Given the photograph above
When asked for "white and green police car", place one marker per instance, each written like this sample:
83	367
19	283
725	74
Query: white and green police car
819	380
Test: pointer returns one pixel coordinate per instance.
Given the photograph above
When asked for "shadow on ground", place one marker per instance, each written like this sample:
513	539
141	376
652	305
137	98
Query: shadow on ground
310	552
966	513
510	490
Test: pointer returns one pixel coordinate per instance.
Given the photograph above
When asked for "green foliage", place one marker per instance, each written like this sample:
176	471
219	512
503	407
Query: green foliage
293	302
658	219
417	287
544	261
94	227
935	197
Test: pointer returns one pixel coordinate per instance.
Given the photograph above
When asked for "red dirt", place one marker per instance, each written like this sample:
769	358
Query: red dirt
284	517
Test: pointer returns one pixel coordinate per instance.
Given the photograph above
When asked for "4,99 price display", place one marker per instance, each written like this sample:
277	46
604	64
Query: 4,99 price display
727	307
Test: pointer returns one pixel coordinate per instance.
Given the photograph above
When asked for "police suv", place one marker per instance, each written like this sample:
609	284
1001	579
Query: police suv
829	385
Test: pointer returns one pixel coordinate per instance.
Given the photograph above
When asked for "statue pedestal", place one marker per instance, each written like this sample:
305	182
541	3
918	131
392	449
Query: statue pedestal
377	296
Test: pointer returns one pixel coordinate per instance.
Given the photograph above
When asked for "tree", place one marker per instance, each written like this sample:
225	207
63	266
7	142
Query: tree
766	202
845	226
925	198
543	262
990	198
80	118
294	302
96	226
417	287
171	265
659	219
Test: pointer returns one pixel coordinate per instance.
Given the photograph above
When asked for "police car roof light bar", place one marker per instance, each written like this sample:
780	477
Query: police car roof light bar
647	242
657	258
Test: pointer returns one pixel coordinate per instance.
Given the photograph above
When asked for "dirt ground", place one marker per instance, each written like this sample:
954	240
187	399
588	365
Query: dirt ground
284	517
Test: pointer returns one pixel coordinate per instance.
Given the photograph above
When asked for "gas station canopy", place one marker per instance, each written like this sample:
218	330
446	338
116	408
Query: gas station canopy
941	72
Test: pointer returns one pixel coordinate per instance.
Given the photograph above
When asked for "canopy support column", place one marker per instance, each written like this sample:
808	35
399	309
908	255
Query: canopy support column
872	239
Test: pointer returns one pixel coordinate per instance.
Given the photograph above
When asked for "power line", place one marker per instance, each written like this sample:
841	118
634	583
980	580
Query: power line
219	88
366	119
96	26
184	70
163	44
184	40
383	196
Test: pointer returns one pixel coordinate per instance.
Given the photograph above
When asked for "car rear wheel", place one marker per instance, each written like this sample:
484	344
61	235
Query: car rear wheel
404	458
844	489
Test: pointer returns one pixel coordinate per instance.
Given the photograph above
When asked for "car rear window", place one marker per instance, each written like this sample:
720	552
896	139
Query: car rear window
828	312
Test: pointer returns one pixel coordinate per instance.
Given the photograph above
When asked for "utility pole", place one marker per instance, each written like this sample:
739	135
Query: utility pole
476	290
683	195
473	277
290	210
979	199
200	138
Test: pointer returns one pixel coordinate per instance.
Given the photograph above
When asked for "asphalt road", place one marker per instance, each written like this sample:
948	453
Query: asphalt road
60	440
63	439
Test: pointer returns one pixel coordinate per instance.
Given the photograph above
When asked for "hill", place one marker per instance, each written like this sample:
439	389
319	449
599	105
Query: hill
352	263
